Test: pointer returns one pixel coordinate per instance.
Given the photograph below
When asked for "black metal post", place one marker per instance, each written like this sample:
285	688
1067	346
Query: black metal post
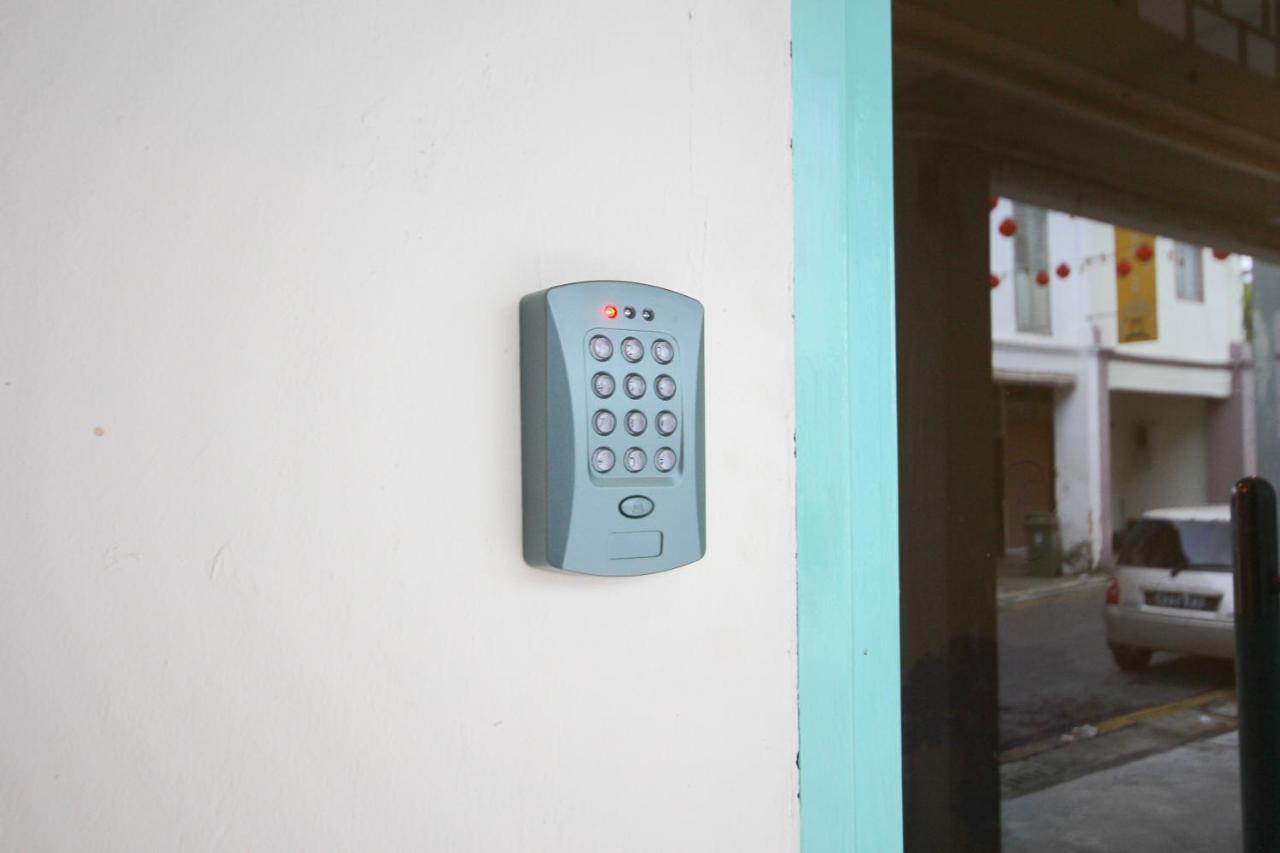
1257	583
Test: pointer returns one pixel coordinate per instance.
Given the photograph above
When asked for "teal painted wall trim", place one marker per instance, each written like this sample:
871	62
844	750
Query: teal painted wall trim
846	428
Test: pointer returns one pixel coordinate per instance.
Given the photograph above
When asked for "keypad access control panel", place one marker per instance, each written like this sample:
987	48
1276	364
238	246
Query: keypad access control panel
611	415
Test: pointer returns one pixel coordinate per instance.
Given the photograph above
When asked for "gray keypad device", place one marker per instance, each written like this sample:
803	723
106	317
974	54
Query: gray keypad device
612	428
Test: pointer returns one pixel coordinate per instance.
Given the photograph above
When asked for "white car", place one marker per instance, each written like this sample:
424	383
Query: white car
1173	587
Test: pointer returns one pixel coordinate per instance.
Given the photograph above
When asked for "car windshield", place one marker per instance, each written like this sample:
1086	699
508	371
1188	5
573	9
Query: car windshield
1178	545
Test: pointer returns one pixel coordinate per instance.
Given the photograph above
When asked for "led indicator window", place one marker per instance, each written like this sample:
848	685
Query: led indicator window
665	386
636	422
602	384
666	423
665	459
604	421
601	348
602	460
663	352
634	460
632	349
635	386
610	312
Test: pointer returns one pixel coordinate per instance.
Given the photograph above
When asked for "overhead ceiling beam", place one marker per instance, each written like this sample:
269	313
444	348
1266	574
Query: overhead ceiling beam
1059	134
1097	61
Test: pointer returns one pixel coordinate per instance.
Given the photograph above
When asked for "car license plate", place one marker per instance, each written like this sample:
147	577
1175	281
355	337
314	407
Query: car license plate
1181	600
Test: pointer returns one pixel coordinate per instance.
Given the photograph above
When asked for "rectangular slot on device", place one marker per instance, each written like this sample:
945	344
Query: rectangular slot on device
631	546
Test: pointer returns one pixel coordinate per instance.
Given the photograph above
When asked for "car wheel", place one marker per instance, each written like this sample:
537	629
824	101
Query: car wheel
1131	659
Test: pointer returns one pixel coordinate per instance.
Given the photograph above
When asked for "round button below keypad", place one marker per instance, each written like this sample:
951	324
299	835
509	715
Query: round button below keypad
603	385
663	352
604	422
634	460
665	387
666	423
602	460
601	348
664	460
635	422
632	349
636	506
634	385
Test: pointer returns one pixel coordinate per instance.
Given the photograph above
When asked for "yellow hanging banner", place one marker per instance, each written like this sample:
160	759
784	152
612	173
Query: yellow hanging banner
1136	318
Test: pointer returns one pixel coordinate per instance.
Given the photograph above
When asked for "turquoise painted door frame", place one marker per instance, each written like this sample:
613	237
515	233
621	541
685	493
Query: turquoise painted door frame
846	428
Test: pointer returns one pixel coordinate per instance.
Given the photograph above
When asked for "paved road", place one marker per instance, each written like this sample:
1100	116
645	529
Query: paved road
1056	672
1185	799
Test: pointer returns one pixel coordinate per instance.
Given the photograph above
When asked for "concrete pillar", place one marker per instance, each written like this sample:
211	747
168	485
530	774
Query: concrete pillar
1100	454
949	499
1231	445
1082	457
1266	368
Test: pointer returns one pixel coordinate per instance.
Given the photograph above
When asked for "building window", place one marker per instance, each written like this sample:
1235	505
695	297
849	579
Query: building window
1188	266
1030	256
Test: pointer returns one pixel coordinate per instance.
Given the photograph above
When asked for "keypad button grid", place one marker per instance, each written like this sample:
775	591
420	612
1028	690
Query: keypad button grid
646	409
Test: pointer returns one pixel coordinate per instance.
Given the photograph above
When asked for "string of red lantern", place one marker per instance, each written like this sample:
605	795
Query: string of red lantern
1008	227
1123	266
1064	268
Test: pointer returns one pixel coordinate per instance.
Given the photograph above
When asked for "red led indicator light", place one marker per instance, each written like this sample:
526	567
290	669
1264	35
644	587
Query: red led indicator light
610	311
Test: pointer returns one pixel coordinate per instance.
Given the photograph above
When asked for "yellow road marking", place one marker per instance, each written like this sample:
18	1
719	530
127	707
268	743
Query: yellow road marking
1019	753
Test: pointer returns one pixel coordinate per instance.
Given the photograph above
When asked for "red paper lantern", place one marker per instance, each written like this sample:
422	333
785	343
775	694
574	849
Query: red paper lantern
995	281
1144	252
1008	227
1123	268
1221	254
992	201
1042	278
1063	270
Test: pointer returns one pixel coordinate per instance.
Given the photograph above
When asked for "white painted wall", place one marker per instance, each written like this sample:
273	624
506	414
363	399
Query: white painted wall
1189	330
273	253
1200	334
1068	359
1172	469
1201	331
1069	297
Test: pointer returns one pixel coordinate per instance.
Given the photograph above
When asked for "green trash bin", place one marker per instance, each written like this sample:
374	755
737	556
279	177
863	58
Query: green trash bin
1044	546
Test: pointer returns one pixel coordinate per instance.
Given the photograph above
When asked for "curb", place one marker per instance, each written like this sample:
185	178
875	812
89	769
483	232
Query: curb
1040	765
1074	584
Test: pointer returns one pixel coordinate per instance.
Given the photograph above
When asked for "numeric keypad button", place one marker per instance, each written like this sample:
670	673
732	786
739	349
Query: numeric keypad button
666	423
604	421
634	385
663	352
601	348
634	460
632	349
665	459
665	387
602	460
603	384
635	422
